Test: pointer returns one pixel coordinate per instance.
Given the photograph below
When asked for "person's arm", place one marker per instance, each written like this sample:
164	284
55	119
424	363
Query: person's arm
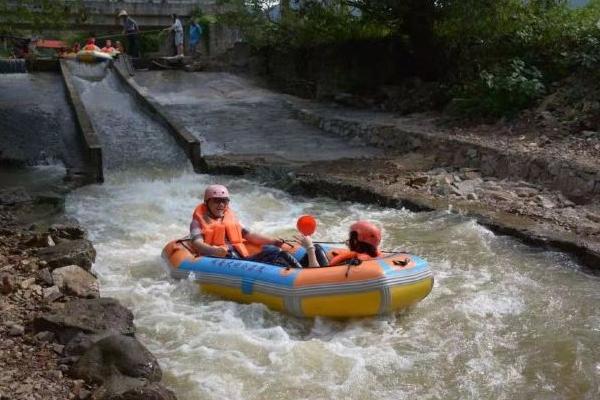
198	242
208	250
307	243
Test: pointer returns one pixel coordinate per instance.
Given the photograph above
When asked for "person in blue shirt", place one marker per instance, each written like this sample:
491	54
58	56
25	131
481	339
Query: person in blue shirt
195	36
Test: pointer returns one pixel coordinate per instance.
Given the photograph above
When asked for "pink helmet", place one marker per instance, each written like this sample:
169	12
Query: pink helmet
366	232
216	192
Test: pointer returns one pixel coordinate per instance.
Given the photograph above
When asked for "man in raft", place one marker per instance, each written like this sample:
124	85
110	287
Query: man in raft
215	231
363	245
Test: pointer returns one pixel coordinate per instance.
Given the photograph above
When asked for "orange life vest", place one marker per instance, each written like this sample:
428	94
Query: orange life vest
341	256
215	232
108	50
91	47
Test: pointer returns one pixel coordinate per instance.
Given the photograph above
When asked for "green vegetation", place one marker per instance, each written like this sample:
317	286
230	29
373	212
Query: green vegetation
496	57
17	17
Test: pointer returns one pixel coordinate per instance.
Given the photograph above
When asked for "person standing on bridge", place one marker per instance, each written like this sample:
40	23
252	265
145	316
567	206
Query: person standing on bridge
177	29
132	31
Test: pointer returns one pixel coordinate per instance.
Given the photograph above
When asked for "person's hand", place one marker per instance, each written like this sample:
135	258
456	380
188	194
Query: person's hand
278	242
305	241
220	252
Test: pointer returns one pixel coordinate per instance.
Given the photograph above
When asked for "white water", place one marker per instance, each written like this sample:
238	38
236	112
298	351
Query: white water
504	321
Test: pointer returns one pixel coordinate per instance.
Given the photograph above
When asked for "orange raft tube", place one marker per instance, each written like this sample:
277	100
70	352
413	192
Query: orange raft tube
379	286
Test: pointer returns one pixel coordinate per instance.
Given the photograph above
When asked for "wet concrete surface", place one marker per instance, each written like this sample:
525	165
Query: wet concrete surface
231	115
37	125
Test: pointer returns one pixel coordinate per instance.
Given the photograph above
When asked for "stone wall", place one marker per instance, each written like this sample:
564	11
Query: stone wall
580	183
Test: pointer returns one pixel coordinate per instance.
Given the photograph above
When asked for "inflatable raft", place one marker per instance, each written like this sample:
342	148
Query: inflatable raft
93	56
373	287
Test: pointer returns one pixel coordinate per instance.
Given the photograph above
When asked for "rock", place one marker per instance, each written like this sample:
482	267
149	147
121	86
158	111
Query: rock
69	252
418	181
466	187
593	217
526	191
117	353
15	195
40	240
92	316
52	294
44	336
58	348
472	153
25	284
545	202
472	196
127	388
471	175
498	195
7	284
16	330
84	394
44	276
70	230
81	342
73	279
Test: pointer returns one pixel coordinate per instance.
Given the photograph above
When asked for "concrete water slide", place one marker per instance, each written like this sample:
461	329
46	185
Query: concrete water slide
117	123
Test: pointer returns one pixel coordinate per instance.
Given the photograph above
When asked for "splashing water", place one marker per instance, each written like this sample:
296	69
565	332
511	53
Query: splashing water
504	321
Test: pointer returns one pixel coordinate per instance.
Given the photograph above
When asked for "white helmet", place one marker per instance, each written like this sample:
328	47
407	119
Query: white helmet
122	13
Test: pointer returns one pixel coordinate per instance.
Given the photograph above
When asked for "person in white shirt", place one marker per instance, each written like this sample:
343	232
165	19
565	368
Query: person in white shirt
177	29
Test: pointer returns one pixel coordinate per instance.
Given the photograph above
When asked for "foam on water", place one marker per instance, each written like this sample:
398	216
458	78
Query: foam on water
504	321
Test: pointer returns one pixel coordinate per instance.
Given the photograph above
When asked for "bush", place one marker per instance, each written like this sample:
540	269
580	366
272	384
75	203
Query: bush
501	92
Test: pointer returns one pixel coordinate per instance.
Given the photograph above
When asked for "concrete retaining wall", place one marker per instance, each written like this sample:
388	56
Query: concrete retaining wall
579	182
184	138
90	137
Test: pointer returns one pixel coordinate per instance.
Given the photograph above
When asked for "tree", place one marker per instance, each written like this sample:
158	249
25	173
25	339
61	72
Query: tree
18	17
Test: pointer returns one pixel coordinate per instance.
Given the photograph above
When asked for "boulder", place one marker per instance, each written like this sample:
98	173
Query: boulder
117	354
81	342
68	229
51	294
15	195
126	388
73	279
40	240
79	252
44	276
93	316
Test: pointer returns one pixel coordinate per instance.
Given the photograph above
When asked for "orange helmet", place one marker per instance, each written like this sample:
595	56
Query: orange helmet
366	232
216	192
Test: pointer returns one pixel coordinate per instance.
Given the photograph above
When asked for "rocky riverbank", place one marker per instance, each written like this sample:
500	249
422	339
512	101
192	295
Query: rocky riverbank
58	338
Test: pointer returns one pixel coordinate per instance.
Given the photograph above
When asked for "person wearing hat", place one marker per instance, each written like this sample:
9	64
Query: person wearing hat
363	242
132	32
215	231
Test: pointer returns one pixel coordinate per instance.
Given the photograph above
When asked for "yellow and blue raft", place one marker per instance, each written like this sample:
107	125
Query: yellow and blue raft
379	286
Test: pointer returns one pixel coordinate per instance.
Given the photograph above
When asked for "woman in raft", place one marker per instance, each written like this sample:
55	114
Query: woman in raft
363	244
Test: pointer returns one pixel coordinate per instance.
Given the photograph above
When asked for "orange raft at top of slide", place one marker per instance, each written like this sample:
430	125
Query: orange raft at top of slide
379	286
